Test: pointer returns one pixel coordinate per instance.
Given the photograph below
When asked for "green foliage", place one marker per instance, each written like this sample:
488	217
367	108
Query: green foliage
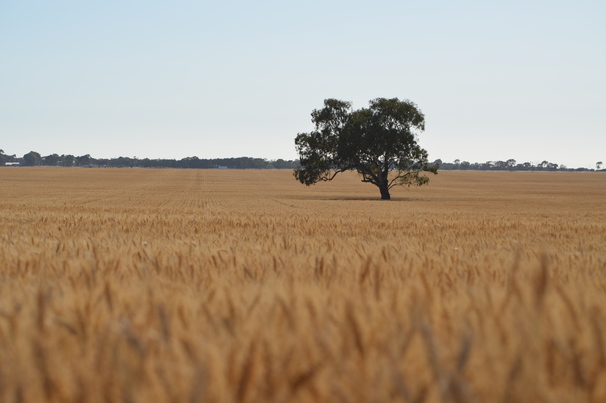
51	160
83	160
67	160
32	158
379	142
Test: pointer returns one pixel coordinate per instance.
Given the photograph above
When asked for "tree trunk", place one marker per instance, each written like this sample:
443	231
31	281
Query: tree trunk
384	191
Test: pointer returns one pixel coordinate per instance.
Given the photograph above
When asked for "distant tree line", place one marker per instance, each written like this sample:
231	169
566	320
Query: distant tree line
509	165
35	159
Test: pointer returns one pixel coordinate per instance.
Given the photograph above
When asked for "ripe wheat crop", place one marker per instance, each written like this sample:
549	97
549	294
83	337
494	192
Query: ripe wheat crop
152	286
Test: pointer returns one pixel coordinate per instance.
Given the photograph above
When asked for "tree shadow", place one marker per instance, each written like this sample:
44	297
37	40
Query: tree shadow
362	198
373	199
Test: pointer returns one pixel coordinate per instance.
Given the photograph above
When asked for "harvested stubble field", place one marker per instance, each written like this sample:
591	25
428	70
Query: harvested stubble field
245	286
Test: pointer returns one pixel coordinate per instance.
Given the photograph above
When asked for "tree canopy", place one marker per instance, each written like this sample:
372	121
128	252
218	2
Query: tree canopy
32	158
379	142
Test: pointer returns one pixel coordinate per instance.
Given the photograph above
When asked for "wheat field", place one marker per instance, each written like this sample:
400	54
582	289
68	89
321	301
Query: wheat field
134	285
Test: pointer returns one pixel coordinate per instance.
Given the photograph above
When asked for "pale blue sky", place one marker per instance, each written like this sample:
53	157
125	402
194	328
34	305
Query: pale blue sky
495	79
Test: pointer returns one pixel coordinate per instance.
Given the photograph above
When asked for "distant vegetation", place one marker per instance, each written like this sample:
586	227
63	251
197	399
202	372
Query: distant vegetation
35	159
509	165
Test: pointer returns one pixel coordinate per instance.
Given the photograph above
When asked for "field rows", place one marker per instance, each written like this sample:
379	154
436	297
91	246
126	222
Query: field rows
244	286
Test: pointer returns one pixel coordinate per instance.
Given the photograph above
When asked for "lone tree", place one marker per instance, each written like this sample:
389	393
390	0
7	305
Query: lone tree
379	142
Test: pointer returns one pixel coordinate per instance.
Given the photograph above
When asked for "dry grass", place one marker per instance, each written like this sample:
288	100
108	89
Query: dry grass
244	286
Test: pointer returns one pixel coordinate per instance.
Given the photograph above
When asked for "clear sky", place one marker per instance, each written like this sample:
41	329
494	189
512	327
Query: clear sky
170	79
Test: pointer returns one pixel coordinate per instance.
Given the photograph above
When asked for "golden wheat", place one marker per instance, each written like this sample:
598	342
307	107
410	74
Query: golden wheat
244	286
